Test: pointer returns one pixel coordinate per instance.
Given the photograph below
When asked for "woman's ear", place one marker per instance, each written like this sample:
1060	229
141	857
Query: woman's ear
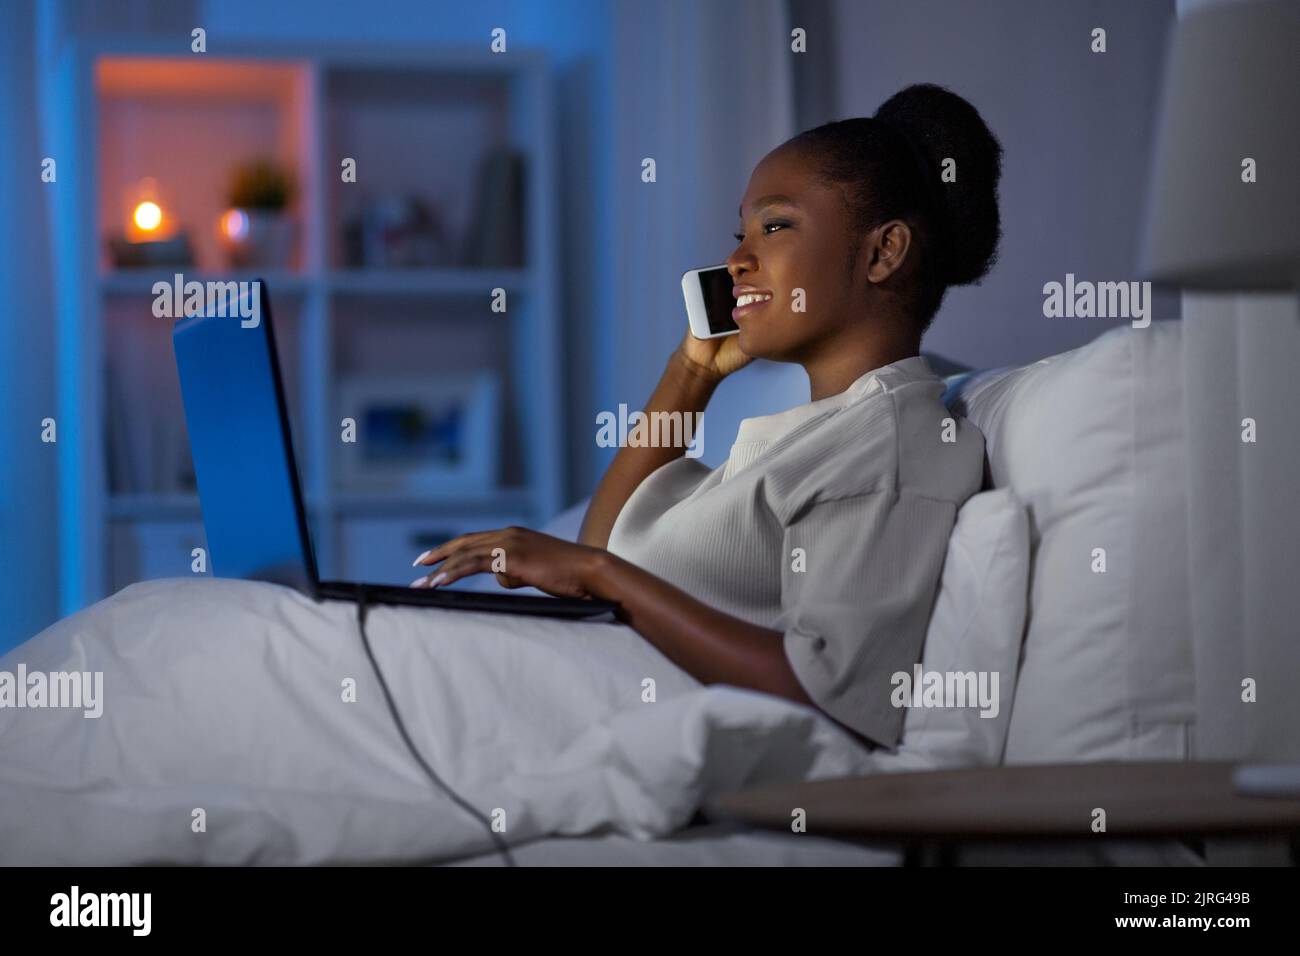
886	249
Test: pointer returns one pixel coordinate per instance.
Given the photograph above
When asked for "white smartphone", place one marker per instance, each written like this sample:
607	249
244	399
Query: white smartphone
709	302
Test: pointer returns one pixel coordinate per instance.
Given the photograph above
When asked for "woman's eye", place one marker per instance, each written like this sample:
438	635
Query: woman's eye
740	236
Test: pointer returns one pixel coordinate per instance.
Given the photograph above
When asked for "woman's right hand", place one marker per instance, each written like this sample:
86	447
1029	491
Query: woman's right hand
715	358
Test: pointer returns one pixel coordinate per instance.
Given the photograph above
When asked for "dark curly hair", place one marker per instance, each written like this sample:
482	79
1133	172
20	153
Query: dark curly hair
889	166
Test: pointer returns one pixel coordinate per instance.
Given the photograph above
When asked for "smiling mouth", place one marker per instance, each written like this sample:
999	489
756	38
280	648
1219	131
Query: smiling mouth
748	302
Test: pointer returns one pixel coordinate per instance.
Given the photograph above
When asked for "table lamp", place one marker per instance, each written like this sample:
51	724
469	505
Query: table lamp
1223	212
1224	207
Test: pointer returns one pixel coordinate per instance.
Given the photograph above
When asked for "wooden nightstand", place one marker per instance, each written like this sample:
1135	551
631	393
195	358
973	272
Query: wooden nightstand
931	814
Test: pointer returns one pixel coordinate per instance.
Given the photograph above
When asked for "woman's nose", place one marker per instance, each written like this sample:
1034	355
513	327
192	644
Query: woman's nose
739	263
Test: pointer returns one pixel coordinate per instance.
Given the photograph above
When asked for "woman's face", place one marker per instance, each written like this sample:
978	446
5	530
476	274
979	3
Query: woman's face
795	239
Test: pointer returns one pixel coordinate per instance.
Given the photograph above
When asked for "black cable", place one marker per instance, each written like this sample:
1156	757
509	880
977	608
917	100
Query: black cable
502	848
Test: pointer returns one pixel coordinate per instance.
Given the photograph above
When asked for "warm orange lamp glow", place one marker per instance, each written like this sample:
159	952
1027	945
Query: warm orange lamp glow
149	213
148	216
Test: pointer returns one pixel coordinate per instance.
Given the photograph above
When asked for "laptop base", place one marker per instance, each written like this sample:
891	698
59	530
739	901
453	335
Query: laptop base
465	600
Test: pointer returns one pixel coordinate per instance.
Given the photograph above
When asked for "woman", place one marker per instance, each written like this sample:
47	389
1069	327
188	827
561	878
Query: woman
806	566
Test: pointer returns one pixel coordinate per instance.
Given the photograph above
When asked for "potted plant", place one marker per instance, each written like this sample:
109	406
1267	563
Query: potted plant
257	229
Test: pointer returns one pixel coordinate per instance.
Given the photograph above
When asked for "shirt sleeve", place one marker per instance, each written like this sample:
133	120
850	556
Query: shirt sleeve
859	579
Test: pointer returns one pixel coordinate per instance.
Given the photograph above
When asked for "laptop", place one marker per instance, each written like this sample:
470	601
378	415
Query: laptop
248	482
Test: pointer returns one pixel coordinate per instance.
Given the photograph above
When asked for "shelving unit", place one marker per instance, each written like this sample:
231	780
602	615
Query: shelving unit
416	121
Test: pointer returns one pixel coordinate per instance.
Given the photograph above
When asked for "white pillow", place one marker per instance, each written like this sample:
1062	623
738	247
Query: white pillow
976	626
1093	442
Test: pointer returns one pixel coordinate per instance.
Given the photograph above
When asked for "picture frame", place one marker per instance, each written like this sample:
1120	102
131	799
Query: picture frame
435	436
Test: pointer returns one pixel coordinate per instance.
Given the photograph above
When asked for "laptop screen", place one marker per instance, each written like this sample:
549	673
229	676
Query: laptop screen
239	439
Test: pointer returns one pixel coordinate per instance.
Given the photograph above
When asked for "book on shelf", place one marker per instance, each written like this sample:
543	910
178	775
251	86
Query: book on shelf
496	228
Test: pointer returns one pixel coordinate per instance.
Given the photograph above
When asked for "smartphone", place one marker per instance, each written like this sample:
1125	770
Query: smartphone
709	302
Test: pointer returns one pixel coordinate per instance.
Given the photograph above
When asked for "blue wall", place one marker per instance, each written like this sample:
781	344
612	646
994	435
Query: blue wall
28	556
1076	130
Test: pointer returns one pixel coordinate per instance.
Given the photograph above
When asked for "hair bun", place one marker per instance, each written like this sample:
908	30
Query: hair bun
943	125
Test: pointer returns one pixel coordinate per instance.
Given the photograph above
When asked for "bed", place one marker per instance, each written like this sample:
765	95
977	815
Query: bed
700	845
241	723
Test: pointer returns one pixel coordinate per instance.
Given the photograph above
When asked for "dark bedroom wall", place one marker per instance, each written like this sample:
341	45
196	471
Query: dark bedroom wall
1076	128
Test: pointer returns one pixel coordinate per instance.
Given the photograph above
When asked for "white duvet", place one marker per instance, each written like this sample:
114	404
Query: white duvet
227	735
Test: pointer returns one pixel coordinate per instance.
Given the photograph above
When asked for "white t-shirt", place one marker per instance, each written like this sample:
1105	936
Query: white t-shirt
828	522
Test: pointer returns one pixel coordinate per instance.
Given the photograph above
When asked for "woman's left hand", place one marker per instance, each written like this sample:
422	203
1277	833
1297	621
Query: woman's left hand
519	558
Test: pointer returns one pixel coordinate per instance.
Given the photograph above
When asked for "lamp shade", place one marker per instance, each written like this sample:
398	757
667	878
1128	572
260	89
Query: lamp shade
1228	115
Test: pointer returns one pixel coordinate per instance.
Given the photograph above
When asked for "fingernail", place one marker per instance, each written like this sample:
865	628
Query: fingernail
421	558
419	582
437	579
